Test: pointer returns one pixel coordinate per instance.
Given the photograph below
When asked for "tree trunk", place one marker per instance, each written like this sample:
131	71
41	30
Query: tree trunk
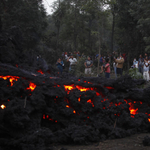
90	23
75	31
99	54
0	23
128	63
58	29
112	34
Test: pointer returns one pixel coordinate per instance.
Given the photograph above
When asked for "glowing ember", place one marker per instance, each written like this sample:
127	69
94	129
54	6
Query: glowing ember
31	87
43	116
11	79
109	88
40	71
3	106
149	119
74	111
90	101
118	104
69	87
67	106
132	110
132	116
79	99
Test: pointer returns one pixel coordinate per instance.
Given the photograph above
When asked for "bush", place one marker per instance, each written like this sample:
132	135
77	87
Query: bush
135	74
80	67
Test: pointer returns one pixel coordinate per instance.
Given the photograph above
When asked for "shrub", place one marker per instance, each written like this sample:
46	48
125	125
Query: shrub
135	74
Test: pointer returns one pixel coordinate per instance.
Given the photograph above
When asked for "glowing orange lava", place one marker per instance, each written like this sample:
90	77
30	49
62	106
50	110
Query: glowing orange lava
11	79
67	106
40	71
32	86
43	116
109	88
79	99
3	106
132	110
90	101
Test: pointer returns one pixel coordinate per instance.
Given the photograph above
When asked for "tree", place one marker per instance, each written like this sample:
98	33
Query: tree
29	16
140	11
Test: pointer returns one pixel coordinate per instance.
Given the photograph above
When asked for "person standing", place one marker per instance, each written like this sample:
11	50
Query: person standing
135	63
88	64
146	69
115	68
107	68
73	62
140	64
119	65
60	65
146	55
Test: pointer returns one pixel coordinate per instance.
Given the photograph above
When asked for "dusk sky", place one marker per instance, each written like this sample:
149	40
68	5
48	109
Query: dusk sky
47	5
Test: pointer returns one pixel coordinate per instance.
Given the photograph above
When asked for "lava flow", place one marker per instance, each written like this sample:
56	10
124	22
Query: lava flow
32	86
68	88
40	71
11	79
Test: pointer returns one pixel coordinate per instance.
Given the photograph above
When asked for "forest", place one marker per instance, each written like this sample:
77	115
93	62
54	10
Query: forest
87	26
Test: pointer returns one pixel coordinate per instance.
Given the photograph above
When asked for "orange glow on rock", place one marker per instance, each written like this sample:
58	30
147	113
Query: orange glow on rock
90	101
67	106
3	106
132	110
69	87
40	71
118	104
11	79
109	88
32	86
79	99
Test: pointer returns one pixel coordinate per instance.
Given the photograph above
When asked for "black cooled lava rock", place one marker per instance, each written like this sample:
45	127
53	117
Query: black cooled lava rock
146	141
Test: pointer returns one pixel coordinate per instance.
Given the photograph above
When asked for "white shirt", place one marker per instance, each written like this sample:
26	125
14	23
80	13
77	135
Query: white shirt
72	61
145	69
66	57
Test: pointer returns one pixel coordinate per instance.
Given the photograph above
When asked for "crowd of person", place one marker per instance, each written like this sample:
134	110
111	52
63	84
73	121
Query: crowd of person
71	59
117	65
143	65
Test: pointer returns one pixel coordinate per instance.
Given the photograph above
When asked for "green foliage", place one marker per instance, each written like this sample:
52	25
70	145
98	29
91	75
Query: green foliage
135	74
29	16
77	23
80	68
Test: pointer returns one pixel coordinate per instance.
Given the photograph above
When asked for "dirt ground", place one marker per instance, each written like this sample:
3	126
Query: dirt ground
133	142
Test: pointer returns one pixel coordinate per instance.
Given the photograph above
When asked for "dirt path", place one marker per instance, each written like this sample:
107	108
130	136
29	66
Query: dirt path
133	142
